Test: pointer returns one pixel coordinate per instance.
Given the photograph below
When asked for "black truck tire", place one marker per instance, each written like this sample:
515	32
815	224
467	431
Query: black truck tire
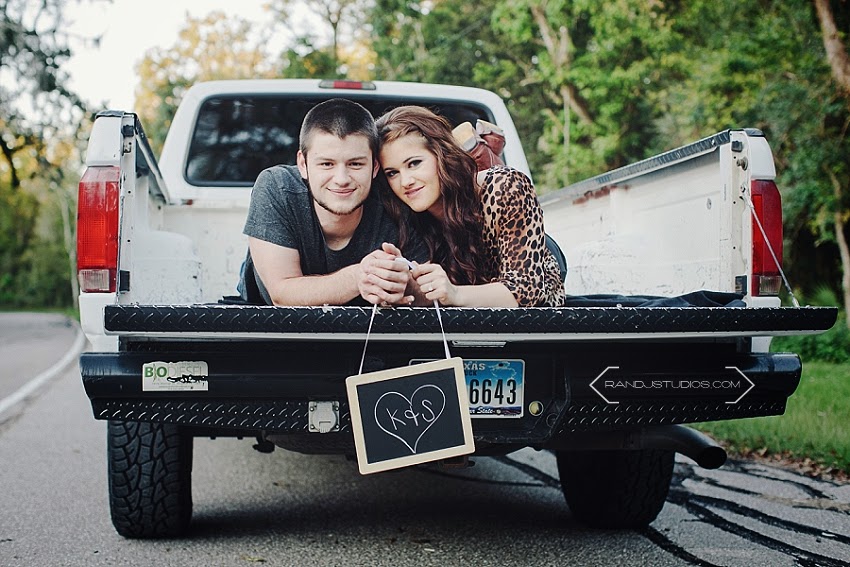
615	489
150	479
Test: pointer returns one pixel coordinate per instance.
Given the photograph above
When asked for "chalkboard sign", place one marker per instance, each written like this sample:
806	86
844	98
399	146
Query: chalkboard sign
410	415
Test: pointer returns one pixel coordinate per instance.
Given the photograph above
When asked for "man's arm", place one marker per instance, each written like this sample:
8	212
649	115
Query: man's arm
280	270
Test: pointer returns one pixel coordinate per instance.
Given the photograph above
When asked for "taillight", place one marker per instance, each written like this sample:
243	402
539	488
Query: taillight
768	208
97	229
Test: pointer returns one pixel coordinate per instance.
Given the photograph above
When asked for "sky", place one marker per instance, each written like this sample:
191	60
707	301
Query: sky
129	28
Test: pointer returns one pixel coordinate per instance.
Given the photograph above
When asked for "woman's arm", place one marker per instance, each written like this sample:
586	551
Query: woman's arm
514	223
514	227
432	283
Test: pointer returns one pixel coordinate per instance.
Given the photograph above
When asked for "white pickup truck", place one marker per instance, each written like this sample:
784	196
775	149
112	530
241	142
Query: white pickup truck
604	382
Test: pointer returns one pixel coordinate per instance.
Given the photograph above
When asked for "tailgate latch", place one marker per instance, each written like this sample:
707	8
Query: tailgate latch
323	417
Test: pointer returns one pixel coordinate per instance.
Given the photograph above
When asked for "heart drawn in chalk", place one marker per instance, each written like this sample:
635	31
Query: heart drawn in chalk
407	419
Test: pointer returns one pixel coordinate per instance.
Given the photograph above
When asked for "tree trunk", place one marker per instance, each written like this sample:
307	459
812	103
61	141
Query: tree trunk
844	250
564	55
843	246
839	62
9	154
335	28
558	47
70	247
565	94
836	53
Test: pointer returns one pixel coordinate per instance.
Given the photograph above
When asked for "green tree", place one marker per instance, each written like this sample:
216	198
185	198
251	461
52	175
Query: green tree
436	42
597	63
342	17
305	60
213	47
453	42
40	125
838	172
576	74
773	72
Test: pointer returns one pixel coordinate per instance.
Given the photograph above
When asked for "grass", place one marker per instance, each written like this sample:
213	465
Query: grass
815	425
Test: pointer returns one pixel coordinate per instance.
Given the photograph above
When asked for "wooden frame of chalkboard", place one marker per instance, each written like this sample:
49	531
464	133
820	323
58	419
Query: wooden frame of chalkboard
410	415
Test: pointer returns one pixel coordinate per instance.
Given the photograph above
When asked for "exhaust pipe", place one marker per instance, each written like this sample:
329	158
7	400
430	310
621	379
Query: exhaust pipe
691	443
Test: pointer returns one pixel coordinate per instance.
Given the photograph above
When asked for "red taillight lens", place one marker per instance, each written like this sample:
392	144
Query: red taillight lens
97	229
768	208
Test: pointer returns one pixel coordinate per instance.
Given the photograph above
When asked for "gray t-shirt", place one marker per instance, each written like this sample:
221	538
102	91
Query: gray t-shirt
281	212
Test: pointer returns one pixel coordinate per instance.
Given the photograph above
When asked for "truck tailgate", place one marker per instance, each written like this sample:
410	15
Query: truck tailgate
463	324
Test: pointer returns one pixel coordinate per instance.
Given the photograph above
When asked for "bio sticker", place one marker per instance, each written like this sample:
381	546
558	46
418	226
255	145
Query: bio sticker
175	376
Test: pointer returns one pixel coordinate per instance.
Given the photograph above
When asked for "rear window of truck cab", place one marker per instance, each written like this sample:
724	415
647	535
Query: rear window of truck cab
236	137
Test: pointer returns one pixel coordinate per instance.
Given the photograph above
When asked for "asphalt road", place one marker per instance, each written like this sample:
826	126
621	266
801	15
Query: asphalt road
291	509
29	344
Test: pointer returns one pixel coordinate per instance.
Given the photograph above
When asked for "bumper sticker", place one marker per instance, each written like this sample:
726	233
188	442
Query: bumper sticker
175	376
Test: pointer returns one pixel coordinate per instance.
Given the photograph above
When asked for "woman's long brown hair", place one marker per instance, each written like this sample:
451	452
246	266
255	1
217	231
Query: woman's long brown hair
457	244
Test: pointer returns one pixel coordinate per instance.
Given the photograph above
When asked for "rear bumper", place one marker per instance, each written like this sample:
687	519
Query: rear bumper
591	369
266	388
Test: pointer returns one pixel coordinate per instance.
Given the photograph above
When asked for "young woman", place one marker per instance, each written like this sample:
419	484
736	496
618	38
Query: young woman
484	230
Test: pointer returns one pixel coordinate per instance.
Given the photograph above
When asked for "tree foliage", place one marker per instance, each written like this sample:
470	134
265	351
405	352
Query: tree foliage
454	42
40	124
219	47
591	86
306	55
213	47
595	85
772	72
575	73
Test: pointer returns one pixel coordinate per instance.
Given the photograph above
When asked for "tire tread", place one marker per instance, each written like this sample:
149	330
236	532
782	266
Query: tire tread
149	472
616	489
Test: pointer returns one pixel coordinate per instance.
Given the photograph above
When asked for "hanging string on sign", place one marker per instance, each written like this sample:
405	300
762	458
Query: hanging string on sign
411	414
369	332
442	330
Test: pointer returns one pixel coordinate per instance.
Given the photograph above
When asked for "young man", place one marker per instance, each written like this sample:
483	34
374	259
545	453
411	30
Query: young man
316	233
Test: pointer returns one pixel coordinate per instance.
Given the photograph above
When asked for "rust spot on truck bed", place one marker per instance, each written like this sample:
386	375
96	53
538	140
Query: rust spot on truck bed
598	193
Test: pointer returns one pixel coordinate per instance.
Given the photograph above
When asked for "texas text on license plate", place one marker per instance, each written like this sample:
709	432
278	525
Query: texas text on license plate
494	386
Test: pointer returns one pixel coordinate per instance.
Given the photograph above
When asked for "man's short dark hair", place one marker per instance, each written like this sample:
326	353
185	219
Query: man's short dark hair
341	118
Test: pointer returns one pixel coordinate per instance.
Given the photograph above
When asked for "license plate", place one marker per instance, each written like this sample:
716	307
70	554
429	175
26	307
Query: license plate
494	387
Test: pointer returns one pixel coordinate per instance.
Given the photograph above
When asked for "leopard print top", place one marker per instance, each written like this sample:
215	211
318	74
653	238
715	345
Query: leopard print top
514	238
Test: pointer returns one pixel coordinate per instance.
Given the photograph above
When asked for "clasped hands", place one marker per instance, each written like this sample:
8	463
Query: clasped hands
386	278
